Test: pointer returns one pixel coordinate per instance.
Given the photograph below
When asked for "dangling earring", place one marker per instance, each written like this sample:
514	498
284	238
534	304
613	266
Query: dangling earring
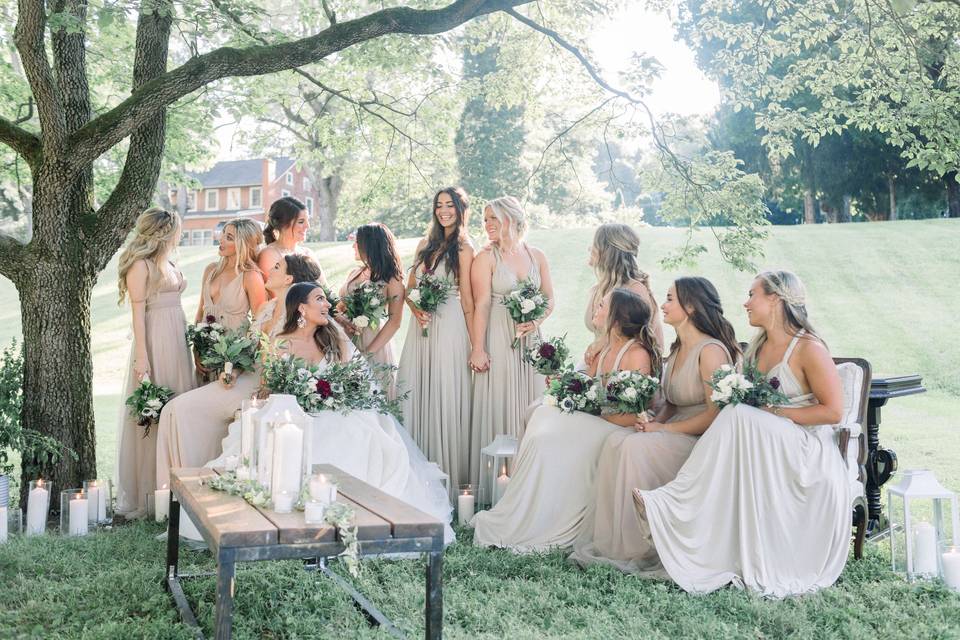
301	321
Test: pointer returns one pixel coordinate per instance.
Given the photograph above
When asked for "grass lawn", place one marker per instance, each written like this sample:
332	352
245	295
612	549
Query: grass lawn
884	291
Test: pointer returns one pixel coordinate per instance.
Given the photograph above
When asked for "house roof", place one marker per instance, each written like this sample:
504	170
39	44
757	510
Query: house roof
239	173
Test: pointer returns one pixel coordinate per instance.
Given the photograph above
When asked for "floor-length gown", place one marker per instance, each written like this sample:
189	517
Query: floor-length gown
632	459
374	448
193	424
772	516
551	490
502	394
435	369
171	365
384	355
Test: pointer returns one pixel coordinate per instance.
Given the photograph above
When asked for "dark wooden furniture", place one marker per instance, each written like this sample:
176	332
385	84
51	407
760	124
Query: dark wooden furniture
238	532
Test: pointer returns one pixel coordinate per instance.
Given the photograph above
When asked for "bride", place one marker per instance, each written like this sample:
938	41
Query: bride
368	445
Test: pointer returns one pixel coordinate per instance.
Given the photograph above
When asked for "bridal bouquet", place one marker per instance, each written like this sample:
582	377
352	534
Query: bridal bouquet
526	303
343	387
222	350
365	306
751	387
431	292
573	391
146	402
549	357
630	391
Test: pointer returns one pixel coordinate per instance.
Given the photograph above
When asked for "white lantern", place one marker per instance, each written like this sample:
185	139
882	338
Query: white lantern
280	408
918	533
494	467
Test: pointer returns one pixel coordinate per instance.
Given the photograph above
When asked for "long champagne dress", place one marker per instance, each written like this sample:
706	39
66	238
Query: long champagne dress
435	369
632	459
551	491
772	516
171	365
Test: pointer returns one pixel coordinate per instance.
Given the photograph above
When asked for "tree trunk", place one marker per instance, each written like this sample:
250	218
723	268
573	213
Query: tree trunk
845	215
892	190
328	193
828	212
953	194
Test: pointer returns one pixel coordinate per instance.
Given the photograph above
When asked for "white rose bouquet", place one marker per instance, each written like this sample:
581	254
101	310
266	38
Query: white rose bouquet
730	387
526	303
630	392
146	402
365	306
431	292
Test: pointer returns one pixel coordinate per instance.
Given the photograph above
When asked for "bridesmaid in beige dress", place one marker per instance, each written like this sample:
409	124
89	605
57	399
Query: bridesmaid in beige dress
613	257
193	424
652	455
376	249
434	367
288	222
551	492
503	384
154	286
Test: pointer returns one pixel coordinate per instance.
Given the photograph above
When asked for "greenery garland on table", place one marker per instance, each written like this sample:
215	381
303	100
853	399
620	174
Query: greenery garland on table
336	514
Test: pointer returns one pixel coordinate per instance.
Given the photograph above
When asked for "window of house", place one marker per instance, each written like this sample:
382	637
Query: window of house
196	237
184	238
256	197
191	200
208	236
310	205
290	177
284	193
233	199
306	183
213	199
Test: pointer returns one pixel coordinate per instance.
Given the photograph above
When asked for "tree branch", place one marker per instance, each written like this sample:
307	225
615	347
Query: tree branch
11	256
113	126
29	38
22	141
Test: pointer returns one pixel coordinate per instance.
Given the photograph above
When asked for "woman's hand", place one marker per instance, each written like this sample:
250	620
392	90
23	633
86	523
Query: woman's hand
423	318
202	370
479	361
525	328
141	367
591	353
227	379
649	427
348	326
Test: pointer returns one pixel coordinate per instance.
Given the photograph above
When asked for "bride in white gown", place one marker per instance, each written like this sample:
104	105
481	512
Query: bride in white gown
368	445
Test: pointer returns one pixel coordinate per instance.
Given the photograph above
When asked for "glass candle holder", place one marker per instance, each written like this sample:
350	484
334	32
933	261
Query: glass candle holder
74	512
38	506
11	522
100	496
248	436
466	503
283	502
950	560
314	511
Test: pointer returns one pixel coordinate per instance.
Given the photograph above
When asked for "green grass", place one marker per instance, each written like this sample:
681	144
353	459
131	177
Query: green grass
885	292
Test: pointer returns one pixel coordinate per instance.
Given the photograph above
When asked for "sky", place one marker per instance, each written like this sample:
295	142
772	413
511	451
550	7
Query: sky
682	88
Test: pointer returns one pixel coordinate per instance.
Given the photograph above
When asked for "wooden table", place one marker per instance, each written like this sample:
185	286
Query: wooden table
236	532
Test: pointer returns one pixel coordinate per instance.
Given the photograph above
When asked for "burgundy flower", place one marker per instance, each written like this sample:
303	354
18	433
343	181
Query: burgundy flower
211	319
547	350
575	386
775	382
323	388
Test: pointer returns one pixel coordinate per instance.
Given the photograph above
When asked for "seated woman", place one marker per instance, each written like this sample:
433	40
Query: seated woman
773	515
368	445
552	485
652	455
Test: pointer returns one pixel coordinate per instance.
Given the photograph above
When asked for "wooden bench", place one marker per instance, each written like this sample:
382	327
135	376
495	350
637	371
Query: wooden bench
236	532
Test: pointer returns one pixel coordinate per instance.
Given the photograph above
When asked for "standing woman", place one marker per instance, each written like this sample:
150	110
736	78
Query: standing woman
376	250
154	285
287	224
435	367
504	385
193	424
613	256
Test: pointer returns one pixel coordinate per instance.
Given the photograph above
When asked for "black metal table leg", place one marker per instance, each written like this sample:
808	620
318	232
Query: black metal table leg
226	573
434	604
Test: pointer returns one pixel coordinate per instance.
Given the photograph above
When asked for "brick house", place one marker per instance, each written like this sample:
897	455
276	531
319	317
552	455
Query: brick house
238	189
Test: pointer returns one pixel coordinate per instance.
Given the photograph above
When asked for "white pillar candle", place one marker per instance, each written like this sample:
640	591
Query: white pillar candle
247	435
161	502
287	459
102	502
951	568
93	503
79	515
38	502
314	511
924	549
502	481
3	525
283	502
465	507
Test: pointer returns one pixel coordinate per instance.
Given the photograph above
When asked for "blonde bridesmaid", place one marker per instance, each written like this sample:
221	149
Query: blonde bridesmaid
376	249
651	455
193	424
504	385
154	284
288	222
435	367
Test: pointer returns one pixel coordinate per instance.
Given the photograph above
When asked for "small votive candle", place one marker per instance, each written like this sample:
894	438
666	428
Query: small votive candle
951	567
283	502
322	489
314	511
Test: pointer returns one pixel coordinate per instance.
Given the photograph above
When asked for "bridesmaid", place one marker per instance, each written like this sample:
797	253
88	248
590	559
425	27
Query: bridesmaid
376	249
154	285
288	271
613	257
505	385
780	495
652	455
193	424
551	491
434	367
288	222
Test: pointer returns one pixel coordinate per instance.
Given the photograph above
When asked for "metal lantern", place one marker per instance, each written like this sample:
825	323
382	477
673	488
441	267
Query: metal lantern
918	530
494	467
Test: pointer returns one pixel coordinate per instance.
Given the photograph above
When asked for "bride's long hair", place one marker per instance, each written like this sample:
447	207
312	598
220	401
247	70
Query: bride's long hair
787	286
155	235
630	314
328	337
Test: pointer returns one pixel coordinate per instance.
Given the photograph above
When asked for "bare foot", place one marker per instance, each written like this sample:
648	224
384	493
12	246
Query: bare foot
638	503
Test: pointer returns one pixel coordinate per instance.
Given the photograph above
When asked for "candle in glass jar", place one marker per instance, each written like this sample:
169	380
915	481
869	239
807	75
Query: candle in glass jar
283	502
38	501
924	549
465	507
161	502
3	525
79	515
322	490
313	512
951	567
502	481
93	502
247	434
